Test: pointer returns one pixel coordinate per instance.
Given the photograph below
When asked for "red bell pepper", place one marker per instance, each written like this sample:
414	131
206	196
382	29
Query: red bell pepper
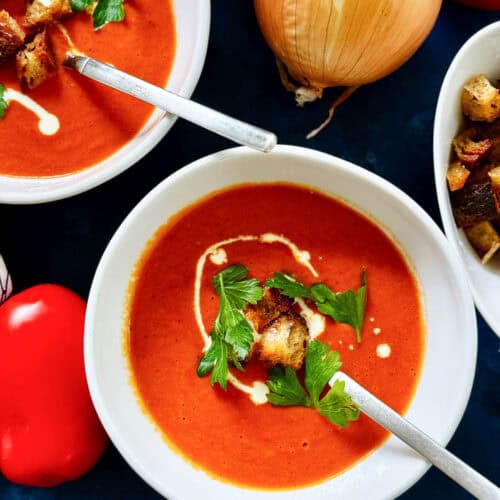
49	431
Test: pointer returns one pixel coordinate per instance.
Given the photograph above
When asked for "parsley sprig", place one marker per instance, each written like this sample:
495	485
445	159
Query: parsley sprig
104	12
3	102
320	366
232	335
344	307
80	5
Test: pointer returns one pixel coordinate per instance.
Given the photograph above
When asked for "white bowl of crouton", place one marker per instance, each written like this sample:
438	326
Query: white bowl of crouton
447	323
47	105
466	161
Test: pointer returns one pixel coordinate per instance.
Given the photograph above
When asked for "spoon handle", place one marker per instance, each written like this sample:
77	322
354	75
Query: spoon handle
236	130
448	463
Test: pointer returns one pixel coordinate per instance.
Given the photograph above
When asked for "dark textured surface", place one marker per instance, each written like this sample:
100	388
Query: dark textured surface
385	127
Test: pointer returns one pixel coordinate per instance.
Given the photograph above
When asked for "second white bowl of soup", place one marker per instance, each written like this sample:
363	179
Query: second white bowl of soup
317	218
99	132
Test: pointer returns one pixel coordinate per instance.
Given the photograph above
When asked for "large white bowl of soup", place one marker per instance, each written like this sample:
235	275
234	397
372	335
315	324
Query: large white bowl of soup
319	219
478	56
100	132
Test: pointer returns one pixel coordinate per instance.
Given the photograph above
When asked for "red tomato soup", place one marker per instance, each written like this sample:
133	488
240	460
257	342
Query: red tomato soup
95	121
225	433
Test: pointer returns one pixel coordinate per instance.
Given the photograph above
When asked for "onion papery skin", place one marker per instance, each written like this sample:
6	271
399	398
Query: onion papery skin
327	43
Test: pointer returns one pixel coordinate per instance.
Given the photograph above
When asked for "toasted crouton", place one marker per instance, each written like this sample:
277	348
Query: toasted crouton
11	36
471	147
485	239
480	174
481	100
494	154
457	176
272	304
492	132
284	340
474	203
268	308
43	12
494	175
36	62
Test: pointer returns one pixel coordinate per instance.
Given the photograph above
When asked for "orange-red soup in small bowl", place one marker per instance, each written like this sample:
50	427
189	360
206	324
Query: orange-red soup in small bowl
95	121
225	433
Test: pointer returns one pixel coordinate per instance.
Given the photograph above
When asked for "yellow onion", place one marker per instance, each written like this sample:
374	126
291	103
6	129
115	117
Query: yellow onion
327	43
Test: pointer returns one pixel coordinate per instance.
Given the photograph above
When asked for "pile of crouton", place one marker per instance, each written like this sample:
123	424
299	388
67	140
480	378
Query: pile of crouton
474	173
30	45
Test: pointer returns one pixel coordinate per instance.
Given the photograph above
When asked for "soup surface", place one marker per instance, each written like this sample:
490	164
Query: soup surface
95	121
225	433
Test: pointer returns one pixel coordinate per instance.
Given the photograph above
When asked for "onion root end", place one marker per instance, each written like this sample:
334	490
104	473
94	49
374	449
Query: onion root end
347	92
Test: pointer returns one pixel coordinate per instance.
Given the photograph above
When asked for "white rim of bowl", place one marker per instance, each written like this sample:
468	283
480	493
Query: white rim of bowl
363	176
156	134
442	193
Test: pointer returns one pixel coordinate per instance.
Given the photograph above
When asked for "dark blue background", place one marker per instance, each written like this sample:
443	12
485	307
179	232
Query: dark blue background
385	127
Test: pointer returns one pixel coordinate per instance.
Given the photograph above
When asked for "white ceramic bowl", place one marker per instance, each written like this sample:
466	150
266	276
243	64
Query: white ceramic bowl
192	25
480	54
447	371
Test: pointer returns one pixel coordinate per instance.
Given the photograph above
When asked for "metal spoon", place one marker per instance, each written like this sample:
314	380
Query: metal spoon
448	463
236	130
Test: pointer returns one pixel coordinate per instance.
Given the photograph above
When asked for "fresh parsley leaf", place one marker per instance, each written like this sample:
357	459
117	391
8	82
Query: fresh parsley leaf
220	367
244	292
320	366
230	275
232	335
216	358
233	357
339	306
344	307
3	102
286	389
80	5
240	336
108	11
361	304
232	326
337	405
235	293
210	358
288	286
238	292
